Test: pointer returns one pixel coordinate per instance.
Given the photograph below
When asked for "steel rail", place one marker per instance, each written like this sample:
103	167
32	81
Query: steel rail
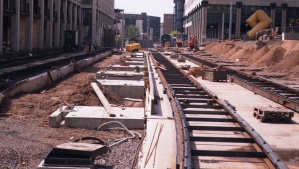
10	76
189	96
276	92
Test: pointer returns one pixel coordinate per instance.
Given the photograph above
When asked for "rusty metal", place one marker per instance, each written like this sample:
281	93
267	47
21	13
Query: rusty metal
215	76
274	91
197	99
180	152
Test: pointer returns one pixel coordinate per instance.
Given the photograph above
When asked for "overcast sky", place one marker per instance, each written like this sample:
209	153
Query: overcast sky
151	7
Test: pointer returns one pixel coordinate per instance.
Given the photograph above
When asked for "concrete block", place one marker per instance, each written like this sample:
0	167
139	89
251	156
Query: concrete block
57	117
125	88
91	117
122	68
137	59
123	75
135	62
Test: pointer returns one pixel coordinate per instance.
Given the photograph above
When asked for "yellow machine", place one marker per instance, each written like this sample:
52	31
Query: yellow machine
137	46
133	47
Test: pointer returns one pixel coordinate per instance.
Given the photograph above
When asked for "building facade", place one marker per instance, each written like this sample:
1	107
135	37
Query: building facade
205	17
148	26
40	24
98	22
168	23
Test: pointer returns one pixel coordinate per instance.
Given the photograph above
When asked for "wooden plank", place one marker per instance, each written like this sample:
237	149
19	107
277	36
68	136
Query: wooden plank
103	99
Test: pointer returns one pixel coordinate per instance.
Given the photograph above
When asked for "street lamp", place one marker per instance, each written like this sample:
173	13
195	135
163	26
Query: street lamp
291	28
122	26
212	32
122	31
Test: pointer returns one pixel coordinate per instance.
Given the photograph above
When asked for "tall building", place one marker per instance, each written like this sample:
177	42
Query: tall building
168	23
148	26
204	17
179	15
40	24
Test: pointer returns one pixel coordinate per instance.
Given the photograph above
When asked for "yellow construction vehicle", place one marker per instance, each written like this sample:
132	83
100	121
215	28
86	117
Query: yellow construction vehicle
133	47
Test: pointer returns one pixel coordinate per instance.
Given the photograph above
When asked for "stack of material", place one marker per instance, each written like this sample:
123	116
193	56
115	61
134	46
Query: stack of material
75	155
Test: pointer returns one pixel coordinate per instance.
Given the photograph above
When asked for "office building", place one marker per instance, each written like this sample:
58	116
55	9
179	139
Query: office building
40	24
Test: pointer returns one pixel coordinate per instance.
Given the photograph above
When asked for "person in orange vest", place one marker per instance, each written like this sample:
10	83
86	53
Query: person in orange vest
194	41
190	43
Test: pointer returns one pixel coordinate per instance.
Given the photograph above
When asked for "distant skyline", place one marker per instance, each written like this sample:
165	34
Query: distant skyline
151	7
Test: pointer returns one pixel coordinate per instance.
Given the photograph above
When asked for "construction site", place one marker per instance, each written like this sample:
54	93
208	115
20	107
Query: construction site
206	100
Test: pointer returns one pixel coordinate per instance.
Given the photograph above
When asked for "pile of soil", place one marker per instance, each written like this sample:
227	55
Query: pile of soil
272	57
276	57
220	48
26	137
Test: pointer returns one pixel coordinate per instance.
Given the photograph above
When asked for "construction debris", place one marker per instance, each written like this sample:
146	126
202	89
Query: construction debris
273	114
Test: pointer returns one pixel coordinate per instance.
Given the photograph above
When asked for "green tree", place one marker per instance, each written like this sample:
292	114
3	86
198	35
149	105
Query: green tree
117	39
133	32
173	33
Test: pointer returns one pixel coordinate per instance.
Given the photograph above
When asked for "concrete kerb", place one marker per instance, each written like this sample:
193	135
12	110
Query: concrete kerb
42	80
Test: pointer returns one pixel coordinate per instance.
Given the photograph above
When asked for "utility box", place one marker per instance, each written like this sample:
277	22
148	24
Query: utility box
215	76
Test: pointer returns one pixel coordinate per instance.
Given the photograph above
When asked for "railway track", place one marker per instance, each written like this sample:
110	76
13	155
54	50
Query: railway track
23	68
210	134
276	92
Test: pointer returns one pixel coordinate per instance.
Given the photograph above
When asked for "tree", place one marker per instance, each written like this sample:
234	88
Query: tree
133	32
173	33
118	39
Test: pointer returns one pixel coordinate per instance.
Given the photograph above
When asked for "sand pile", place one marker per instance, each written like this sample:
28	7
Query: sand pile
276	57
272	57
232	51
243	54
289	64
219	48
257	55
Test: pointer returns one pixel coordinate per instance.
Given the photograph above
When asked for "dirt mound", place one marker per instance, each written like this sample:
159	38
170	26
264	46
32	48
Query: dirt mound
272	57
233	51
243	54
219	48
290	46
290	64
277	57
257	55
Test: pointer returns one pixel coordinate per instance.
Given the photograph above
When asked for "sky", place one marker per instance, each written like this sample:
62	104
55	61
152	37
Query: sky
151	7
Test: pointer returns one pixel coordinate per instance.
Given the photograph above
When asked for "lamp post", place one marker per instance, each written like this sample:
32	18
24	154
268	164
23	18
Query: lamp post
122	31
291	28
122	25
212	32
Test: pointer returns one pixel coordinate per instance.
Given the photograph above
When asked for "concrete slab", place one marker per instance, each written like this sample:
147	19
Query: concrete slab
166	149
136	59
123	75
123	68
42	166
125	88
91	117
137	63
282	137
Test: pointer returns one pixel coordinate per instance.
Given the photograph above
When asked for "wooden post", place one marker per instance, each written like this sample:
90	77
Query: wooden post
103	99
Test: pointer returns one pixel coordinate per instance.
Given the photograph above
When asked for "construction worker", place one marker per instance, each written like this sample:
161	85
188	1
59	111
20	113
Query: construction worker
191	42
